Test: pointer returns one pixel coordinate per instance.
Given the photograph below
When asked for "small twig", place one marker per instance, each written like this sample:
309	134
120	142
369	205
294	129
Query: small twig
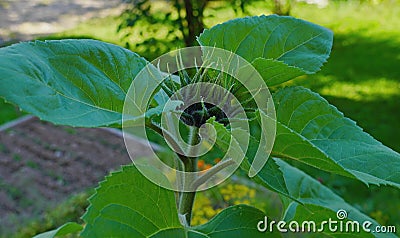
211	172
167	136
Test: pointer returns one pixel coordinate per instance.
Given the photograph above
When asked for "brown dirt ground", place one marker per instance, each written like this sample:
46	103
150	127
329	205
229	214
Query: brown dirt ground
41	165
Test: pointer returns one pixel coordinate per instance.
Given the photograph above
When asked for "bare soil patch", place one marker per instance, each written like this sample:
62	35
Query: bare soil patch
42	164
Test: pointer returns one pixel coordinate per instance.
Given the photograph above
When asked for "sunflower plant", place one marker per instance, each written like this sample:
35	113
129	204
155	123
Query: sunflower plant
88	83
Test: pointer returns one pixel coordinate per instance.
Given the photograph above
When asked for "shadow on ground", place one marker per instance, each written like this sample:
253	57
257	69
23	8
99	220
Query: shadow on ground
379	118
356	58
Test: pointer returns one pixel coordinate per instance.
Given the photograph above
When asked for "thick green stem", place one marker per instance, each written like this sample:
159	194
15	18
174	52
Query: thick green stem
187	198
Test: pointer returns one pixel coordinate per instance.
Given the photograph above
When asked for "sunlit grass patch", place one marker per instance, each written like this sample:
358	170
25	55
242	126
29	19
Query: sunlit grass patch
363	91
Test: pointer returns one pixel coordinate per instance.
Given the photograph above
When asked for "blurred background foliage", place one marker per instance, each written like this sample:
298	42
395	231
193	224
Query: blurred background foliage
176	23
361	78
182	20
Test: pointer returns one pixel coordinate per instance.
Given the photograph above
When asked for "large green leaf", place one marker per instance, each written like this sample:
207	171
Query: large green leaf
127	204
70	82
280	47
307	199
318	203
289	144
308	126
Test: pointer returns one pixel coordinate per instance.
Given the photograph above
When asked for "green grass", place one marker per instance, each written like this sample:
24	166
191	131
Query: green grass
70	210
